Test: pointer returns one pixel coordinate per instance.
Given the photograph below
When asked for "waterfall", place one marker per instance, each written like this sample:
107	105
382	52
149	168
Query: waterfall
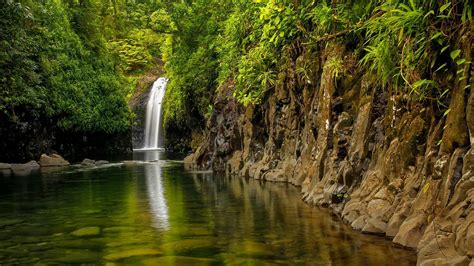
153	114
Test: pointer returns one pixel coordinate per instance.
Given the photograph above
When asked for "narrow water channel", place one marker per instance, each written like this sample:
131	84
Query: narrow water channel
159	214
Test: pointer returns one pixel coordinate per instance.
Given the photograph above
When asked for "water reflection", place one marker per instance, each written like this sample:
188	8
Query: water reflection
159	214
260	222
156	192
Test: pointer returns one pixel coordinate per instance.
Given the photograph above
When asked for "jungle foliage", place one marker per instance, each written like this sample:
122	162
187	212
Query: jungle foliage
73	61
77	59
411	46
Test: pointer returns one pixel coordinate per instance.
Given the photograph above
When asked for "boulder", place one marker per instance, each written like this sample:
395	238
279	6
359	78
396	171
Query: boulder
411	231
5	166
25	169
101	162
53	160
88	162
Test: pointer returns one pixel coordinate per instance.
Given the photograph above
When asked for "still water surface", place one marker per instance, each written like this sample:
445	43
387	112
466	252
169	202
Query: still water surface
159	214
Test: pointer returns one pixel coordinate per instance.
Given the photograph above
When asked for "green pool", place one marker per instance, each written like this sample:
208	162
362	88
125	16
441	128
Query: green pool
159	214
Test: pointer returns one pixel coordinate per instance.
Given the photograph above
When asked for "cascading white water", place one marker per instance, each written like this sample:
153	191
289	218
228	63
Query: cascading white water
153	114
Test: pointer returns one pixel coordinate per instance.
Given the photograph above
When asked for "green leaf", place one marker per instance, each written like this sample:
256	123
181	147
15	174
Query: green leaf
435	36
426	187
454	54
460	61
444	48
444	93
447	112
443	7
400	36
441	67
431	12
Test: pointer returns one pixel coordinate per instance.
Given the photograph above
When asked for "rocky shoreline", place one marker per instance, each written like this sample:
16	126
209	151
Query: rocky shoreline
385	164
55	162
45	162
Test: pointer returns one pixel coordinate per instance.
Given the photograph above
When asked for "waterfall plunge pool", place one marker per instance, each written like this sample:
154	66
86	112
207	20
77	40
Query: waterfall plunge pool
160	214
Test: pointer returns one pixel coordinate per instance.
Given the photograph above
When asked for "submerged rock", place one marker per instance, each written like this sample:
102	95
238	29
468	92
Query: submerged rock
253	249
132	253
87	231
53	160
125	241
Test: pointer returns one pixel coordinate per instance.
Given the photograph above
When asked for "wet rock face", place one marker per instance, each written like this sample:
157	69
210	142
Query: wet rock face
33	135
223	134
386	165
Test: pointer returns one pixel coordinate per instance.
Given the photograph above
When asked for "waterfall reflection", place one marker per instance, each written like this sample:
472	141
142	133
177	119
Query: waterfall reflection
156	192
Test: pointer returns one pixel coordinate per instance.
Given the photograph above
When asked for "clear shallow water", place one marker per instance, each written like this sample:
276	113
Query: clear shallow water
159	214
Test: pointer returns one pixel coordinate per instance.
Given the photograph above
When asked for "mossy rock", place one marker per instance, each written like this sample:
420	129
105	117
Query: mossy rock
87	231
132	253
127	241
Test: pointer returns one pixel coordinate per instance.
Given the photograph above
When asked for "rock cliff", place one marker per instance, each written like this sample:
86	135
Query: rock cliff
385	163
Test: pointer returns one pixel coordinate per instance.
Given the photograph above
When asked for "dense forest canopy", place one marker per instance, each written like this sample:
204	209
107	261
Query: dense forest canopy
412	47
74	61
77	60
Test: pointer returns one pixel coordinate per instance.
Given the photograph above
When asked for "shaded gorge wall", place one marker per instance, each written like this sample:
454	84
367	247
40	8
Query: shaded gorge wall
386	163
30	136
